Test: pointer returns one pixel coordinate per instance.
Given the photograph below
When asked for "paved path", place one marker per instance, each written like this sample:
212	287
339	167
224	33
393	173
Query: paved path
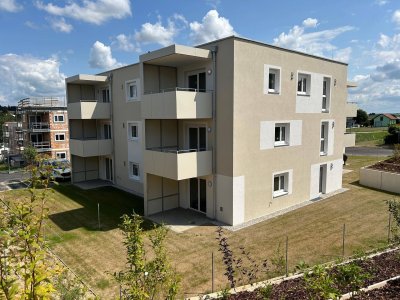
12	181
369	151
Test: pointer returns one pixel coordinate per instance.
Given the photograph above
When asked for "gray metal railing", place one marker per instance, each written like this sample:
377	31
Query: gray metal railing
39	125
42	102
177	150
41	145
177	89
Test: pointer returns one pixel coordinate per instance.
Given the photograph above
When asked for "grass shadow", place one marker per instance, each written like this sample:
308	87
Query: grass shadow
112	204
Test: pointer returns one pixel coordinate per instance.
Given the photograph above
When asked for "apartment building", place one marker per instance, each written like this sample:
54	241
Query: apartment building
12	137
44	125
234	129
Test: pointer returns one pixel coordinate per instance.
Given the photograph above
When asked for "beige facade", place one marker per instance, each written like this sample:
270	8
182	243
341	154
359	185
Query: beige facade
44	125
234	129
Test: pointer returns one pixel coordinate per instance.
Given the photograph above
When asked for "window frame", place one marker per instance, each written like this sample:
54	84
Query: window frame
283	187
276	71
61	152
131	175
59	140
128	84
305	88
323	138
105	91
130	125
283	138
56	118
326	95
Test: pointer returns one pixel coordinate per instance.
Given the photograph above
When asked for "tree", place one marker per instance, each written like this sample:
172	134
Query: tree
362	117
30	154
146	278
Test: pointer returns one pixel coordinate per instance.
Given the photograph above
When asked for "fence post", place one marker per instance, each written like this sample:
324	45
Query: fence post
212	272
344	233
287	244
98	214
389	226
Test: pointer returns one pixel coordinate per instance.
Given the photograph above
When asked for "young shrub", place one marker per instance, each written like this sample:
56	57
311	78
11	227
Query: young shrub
320	283
146	278
277	263
350	276
394	209
265	291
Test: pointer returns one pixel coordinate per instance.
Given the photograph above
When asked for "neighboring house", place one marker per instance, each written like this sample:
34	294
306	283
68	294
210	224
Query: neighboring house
234	129
44	123
13	137
384	120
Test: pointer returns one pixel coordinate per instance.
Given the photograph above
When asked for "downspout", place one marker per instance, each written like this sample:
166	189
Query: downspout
214	50
110	80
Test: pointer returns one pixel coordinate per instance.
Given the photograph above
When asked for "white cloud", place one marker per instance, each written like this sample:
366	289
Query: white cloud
101	57
310	22
381	2
396	17
125	43
10	5
212	27
25	76
91	11
61	25
343	54
316	43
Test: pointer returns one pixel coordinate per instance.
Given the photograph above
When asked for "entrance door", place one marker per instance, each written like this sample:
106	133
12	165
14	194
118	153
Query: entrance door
198	194
322	179
109	169
197	139
36	138
197	82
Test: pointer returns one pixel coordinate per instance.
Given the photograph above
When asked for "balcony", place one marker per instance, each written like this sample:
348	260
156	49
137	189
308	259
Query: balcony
349	139
351	109
89	109
39	127
42	146
178	103
90	147
177	164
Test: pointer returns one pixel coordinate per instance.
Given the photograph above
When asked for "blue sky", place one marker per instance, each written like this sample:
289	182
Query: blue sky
44	41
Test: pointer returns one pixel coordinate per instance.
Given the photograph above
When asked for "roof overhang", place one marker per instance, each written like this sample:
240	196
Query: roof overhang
86	79
175	56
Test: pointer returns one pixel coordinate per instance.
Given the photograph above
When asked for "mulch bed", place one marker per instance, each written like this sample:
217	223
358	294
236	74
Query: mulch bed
379	268
389	165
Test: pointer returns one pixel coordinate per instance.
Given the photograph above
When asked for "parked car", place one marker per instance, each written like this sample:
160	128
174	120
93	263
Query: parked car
61	168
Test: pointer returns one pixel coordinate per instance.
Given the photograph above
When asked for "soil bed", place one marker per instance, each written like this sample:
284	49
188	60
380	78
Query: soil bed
379	268
389	165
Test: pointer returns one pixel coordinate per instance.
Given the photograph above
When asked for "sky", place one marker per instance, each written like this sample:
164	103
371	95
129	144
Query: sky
44	41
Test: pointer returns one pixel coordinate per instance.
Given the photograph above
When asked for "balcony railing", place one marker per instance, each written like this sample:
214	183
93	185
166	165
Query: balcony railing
177	103
177	164
41	146
90	146
89	109
37	126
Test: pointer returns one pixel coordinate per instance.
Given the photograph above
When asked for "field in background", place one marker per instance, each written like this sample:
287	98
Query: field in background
314	233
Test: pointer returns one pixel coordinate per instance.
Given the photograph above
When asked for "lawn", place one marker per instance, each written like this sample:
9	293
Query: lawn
314	233
366	129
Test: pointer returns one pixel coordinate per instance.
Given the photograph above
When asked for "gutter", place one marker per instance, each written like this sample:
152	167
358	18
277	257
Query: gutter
214	50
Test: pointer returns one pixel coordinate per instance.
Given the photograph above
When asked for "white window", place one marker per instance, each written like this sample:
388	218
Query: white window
132	90
133	131
134	171
326	94
58	118
61	155
60	137
303	84
272	80
324	138
281	183
282	134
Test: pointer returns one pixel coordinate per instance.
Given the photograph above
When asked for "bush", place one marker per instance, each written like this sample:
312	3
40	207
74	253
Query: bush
391	139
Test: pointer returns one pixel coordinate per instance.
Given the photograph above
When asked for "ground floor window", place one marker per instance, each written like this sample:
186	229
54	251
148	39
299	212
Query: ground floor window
134	171
61	155
281	184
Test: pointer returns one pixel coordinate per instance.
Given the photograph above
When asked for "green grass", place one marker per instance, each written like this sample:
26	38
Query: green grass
371	136
314	231
366	129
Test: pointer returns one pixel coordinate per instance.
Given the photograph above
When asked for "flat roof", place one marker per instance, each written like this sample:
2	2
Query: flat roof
272	46
85	79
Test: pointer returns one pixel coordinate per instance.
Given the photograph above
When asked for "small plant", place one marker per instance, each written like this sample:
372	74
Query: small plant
224	294
350	276
320	283
396	151
394	209
265	291
277	262
345	157
301	266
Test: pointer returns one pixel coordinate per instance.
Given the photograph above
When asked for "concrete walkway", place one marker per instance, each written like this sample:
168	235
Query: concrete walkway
92	184
369	151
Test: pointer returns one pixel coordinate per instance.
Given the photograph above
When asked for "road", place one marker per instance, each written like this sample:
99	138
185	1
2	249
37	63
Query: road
13	180
369	151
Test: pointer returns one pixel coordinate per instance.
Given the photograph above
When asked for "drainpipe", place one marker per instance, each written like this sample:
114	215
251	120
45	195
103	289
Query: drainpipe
214	50
110	84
